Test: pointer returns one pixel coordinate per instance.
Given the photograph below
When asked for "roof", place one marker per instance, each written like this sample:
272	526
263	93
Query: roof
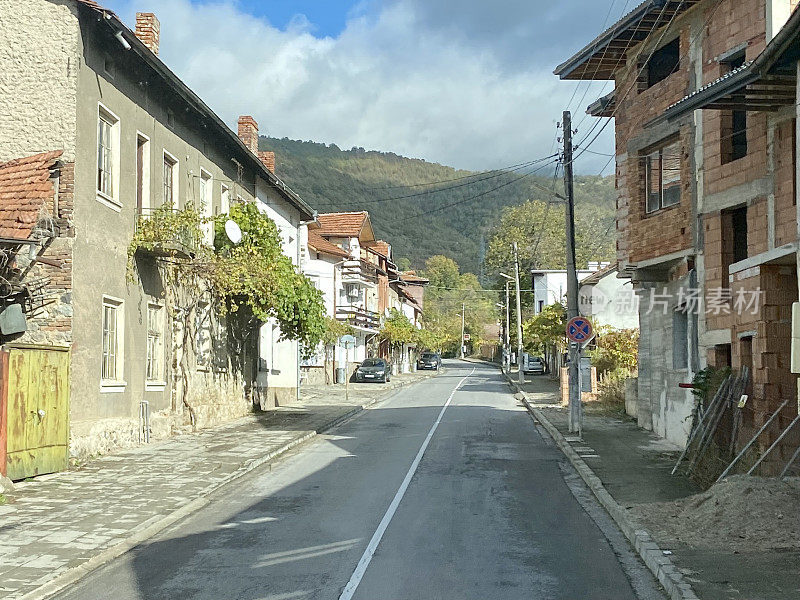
25	185
603	107
764	84
196	103
598	276
346	224
412	278
607	52
320	244
380	247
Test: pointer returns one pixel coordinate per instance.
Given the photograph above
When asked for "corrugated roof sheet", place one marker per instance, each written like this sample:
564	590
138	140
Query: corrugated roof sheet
25	185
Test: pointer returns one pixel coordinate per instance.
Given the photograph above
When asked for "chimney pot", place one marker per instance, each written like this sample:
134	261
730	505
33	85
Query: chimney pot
248	132
148	30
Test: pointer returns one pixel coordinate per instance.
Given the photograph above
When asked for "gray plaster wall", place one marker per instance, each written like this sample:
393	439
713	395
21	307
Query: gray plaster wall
103	417
39	63
662	406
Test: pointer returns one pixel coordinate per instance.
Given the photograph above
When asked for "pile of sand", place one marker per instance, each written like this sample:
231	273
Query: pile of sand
741	513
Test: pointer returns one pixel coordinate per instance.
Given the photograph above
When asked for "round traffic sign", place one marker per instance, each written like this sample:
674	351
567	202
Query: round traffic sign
579	329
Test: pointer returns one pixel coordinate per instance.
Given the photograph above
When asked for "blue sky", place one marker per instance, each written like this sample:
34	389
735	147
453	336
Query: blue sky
328	18
466	83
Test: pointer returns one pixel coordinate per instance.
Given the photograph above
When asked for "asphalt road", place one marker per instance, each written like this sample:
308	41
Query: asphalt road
406	501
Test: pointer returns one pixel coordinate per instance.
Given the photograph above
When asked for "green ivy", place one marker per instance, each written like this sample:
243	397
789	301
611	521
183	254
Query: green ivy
254	272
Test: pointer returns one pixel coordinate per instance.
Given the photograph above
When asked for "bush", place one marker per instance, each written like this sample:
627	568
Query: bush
611	387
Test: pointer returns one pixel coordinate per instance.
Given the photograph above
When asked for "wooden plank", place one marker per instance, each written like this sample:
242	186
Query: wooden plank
3	410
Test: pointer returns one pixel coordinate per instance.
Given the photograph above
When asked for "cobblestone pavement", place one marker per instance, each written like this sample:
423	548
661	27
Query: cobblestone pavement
57	522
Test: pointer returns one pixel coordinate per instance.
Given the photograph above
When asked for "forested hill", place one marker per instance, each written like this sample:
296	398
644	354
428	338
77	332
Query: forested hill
458	208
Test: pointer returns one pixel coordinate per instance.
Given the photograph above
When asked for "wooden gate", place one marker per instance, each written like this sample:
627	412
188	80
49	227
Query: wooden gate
36	397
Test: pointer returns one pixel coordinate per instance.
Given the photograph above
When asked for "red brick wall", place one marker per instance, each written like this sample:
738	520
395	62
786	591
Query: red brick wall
732	23
642	236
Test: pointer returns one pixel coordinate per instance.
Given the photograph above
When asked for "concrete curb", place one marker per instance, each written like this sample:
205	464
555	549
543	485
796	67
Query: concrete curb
659	564
155	526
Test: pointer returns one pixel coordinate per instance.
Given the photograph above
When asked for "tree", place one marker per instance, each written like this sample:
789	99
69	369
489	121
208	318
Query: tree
544	333
617	349
450	290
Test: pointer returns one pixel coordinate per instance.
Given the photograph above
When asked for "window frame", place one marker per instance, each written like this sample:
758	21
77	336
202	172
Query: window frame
174	187
658	153
115	383
146	179
155	382
206	204
112	199
225	200
651	80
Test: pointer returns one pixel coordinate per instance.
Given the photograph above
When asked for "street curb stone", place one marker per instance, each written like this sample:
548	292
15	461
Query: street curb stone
653	557
157	525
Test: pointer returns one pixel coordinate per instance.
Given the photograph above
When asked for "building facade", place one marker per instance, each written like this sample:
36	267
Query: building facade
131	138
706	209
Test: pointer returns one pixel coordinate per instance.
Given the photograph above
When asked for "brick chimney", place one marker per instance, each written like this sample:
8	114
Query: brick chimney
148	30
268	158
248	132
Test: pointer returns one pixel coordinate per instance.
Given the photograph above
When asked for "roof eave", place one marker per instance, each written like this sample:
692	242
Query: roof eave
197	104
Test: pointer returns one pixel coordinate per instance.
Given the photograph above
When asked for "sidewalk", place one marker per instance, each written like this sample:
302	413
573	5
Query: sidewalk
634	466
58	527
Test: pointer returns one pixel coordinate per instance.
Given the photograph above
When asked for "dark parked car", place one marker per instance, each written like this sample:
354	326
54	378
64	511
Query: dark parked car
429	360
373	369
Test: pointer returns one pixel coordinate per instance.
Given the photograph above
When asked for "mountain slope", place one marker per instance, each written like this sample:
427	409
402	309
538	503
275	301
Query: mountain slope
456	213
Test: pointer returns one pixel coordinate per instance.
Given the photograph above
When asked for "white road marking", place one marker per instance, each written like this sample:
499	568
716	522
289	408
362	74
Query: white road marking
366	558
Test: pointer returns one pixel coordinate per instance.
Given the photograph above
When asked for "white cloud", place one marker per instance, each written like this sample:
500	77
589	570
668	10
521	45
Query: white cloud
393	80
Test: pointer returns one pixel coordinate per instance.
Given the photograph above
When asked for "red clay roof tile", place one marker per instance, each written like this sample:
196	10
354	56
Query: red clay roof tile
322	245
343	224
25	185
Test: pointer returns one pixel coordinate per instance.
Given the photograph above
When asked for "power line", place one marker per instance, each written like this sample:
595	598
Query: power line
472	197
447	188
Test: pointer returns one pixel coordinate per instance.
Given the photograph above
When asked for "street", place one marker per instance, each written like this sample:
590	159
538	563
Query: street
459	500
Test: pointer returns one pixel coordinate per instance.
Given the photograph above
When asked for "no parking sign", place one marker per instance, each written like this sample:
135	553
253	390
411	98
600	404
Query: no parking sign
579	330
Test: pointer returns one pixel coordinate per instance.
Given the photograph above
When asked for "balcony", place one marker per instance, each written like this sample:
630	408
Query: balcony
163	233
360	318
359	272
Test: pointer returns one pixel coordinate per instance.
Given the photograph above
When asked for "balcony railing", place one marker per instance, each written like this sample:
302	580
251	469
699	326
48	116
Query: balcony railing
166	236
360	272
359	317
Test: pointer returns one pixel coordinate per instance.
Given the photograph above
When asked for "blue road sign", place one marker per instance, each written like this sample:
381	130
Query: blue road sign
579	329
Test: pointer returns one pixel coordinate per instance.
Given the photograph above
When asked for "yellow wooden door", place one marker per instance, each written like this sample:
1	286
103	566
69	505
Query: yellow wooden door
38	411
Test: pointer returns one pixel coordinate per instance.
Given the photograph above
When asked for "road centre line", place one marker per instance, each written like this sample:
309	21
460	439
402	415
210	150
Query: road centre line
366	558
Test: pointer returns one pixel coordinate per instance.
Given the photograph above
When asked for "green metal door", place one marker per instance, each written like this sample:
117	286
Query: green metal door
38	411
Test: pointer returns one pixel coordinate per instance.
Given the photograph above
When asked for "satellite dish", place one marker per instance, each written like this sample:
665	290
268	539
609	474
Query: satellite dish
233	231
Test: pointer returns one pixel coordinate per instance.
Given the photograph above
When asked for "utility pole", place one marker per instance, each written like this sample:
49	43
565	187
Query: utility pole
519	316
463	309
508	329
575	409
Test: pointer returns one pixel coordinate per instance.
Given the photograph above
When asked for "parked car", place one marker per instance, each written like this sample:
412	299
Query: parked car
429	360
532	364
373	369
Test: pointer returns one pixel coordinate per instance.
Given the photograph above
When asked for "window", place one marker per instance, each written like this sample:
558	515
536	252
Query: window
142	173
664	62
203	335
206	206
155	343
734	238
680	339
111	365
225	200
170	180
733	128
107	157
663	177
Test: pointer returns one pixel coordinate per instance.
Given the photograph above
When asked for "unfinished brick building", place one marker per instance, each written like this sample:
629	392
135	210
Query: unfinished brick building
705	114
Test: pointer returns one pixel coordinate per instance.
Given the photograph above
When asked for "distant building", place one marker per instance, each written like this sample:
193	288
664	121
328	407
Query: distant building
550	285
609	299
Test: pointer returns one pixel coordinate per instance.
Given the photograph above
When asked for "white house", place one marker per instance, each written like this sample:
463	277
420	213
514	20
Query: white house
609	299
550	286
